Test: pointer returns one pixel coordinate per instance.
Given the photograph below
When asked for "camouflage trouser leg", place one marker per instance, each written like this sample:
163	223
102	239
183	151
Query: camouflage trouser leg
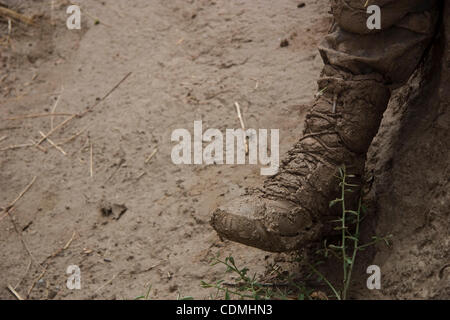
393	53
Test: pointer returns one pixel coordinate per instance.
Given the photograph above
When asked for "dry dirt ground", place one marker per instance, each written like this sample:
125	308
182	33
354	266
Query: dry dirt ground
97	202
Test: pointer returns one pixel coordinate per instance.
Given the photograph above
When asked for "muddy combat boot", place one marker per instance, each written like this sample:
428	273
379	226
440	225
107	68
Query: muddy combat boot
292	207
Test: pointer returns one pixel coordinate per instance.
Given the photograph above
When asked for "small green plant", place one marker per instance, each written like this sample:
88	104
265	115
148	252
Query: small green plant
349	225
146	296
181	298
248	287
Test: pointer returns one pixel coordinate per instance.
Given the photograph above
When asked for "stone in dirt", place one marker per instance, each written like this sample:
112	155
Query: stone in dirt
112	210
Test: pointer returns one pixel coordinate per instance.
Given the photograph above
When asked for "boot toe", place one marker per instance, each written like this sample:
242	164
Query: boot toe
245	220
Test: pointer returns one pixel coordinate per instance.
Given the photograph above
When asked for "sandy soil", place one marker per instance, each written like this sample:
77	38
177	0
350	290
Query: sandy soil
133	224
189	61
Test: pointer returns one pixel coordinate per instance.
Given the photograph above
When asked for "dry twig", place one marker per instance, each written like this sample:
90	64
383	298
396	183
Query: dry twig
76	135
24	275
65	122
38	146
53	144
8	211
60	250
56	128
16	16
18	146
40	115
53	111
36	281
91	161
107	283
14	292
241	120
11	205
106	95
151	156
19	233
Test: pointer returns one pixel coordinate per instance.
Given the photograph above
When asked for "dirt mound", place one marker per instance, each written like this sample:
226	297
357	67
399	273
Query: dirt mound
411	162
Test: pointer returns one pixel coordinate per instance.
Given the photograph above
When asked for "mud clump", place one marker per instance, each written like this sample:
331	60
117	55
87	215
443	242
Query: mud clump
112	210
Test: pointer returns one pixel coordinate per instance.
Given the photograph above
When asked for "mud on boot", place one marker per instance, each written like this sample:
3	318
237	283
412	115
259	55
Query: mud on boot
291	209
